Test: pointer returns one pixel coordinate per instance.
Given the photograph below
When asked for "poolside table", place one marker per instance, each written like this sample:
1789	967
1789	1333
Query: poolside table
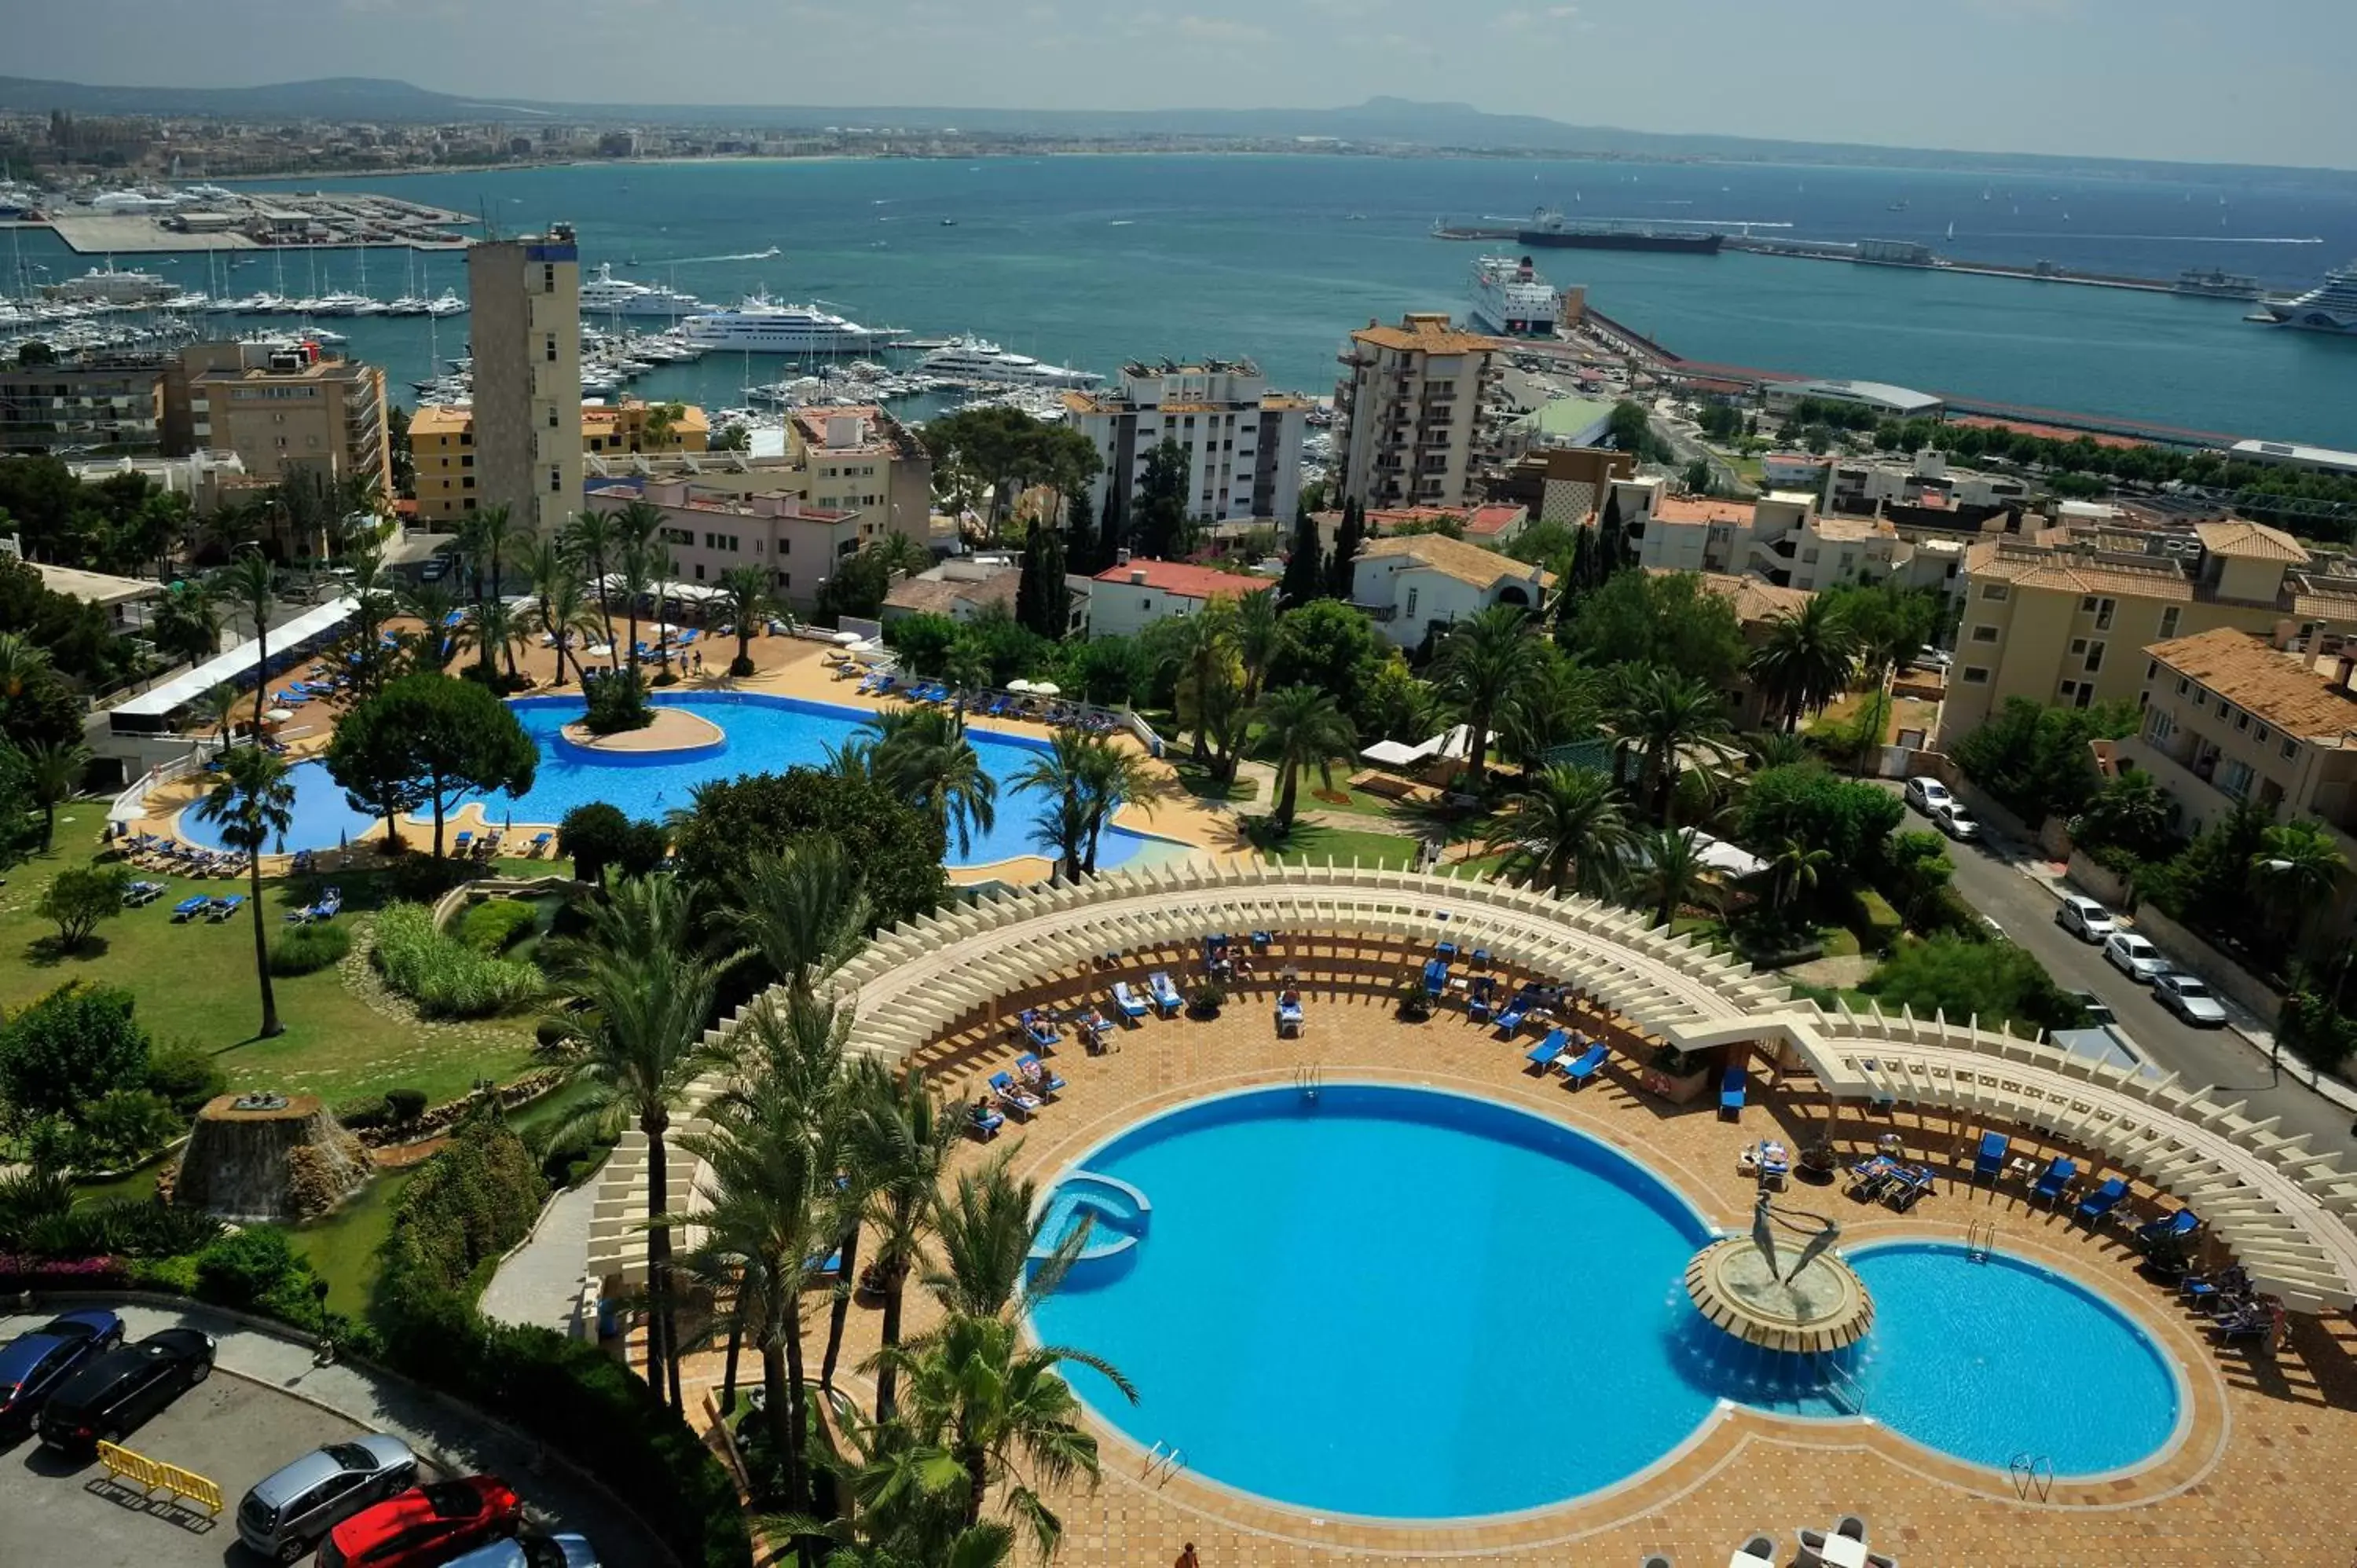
1841	1552
1742	1559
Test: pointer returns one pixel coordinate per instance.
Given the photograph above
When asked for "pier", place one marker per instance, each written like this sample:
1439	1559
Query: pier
212	218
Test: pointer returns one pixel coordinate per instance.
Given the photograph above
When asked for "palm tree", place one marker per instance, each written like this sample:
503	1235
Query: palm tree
1060	775
986	1231
487	536
1111	776
217	705
1481	665
564	612
1195	646
371	592
1258	632
1775	748
1662	718
188	623
2298	868
54	768
803	909
640	996
967	669
248	583
901	554
431	647
1796	867
1566	829
750	600
495	633
1558	704
254	803
901	1140
22	662
922	756
1807	660
636	545
590	539
1669	870
1303	728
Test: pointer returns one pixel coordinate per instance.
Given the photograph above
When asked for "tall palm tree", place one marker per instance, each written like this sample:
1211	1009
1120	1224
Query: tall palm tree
495	633
188	623
1059	776
803	910
1482	666
1559	703
564	613
2299	869
371	591
217	705
748	601
1566	829
1661	719
641	995
254	803
1796	867
1258	630
1303	728
901	1139
431	647
1111	776
590	539
1195	646
22	662
1807	659
248	582
923	757
966	666
637	540
1669	871
985	1228
489	538
54	768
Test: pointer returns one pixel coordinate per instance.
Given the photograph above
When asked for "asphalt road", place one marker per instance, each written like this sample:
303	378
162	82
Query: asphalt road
1987	877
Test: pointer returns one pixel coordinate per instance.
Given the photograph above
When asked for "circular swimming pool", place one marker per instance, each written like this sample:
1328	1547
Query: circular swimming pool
760	735
1409	1304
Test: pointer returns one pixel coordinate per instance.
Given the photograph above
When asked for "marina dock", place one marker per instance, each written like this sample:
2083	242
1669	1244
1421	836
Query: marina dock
213	218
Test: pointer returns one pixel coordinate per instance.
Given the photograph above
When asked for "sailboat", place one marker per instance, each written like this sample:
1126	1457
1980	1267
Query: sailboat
1951	227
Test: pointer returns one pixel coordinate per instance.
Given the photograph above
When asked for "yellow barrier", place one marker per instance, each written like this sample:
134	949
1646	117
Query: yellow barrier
155	1476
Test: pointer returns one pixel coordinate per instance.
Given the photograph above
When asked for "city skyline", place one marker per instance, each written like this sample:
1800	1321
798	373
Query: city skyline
2058	77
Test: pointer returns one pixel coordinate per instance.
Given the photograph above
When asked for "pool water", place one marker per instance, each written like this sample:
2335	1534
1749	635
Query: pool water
1407	1304
764	734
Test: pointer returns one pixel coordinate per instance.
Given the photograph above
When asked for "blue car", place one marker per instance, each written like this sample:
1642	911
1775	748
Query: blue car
33	1364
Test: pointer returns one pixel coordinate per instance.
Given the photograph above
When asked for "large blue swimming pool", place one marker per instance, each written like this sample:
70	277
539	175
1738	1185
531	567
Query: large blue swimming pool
1414	1304
764	734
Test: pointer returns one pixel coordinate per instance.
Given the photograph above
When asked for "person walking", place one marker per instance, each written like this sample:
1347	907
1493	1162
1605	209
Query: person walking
1187	1558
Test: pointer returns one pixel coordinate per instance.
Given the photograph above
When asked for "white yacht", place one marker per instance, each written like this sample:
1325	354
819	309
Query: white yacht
105	285
2329	307
1511	299
979	360
761	326
603	294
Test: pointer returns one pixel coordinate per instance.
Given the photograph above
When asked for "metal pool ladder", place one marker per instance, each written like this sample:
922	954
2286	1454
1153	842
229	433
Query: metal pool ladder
2032	1473
1309	1080
1162	1464
1980	1241
1846	1388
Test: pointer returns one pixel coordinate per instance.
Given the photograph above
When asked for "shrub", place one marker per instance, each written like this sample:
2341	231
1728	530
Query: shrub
78	898
423	879
240	1270
127	1227
2315	1031
592	836
70	1047
1960	979
119	1126
176	1276
443	975
617	703
495	925
468	1205
26	1198
185	1074
1877	924
371	1111
403	1106
308	948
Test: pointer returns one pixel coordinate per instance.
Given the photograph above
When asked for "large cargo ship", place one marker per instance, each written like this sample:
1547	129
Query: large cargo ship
1548	228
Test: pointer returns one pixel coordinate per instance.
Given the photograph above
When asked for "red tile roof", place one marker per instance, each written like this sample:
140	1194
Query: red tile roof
1178	578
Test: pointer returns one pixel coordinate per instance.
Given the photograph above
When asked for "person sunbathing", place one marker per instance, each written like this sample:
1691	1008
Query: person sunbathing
1034	1077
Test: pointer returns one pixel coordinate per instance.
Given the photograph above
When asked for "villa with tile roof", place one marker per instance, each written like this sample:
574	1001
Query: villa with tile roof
1420	584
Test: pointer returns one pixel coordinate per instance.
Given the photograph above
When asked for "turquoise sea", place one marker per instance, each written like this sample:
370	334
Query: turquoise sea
1091	260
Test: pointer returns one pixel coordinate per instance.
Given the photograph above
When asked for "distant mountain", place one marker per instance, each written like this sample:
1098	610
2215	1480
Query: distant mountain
1378	121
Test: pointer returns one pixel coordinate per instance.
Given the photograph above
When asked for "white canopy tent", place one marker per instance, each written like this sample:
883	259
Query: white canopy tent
150	712
1392	754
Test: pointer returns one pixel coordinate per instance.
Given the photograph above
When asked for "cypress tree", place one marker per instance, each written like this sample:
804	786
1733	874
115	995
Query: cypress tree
1305	578
1041	601
1340	569
1107	544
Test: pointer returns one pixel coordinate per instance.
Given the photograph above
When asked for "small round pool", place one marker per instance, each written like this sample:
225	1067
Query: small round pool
1409	1304
322	818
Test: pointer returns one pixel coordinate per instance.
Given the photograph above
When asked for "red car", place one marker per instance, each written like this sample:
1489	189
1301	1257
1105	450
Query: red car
425	1525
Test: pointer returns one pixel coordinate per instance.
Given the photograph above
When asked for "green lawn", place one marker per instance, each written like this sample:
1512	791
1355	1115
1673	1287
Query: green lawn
1345	799
1203	785
196	981
1312	843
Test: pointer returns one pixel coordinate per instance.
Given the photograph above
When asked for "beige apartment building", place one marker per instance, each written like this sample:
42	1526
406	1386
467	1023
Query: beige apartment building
2230	717
1242	441
277	408
711	532
104	403
2064	616
442	448
524	326
1410	401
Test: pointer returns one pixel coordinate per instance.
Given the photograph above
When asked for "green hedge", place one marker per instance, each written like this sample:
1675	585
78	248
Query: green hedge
443	975
1875	922
464	1208
495	925
308	948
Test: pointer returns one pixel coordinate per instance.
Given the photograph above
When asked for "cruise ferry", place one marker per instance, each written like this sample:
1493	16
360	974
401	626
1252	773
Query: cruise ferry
976	359
603	294
1511	299
2213	284
762	326
2329	307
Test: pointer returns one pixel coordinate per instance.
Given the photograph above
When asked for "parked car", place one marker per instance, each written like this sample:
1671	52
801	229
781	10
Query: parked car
425	1526
35	1363
2134	957
2189	997
531	1550
111	1395
1953	819
2099	1012
1927	795
2084	918
1937	658
288	1511
436	567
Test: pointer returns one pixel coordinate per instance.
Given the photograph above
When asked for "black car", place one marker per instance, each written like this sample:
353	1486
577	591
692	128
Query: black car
33	1364
114	1393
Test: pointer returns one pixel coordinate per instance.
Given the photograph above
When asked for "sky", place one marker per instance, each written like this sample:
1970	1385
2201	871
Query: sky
2260	82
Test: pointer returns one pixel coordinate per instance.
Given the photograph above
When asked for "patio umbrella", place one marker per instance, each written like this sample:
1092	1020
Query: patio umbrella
277	715
1046	688
1022	686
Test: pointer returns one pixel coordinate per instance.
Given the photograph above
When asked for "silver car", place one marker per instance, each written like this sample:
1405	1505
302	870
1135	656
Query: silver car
1955	822
530	1551
2134	957
1927	795
2084	918
2189	998
291	1511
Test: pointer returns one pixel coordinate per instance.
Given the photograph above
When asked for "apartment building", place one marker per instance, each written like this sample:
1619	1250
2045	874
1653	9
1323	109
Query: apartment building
1419	585
1409	400
2230	717
1782	537
111	403
524	327
1757	605
1128	597
1242	441
1562	483
278	408
1926	480
442	446
2060	615
709	532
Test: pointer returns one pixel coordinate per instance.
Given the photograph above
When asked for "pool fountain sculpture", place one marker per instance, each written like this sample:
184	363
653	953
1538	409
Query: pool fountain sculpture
257	1158
1740	1284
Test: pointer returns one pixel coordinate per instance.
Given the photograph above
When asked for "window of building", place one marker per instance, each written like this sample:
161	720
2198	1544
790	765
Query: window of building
1975	675
2159	726
467	483
2182	684
2069	690
2094	657
552	348
2234	777
785	579
2243	723
2078	645
1410	601
1983	634
2169	621
699	571
1995	590
556	481
2103	609
548	279
2290	748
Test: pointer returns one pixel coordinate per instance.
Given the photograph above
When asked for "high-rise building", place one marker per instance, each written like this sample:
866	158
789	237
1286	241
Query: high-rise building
1242	443
1410	402
443	448
526	324
279	408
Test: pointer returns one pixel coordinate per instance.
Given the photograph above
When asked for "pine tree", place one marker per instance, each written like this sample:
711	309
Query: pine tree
1305	577
1342	567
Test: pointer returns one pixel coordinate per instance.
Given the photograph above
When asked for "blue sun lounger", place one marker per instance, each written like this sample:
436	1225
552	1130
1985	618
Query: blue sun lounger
1990	1161
1036	1029
1544	1053
1476	998
2098	1206
1289	1018
2051	1181
1018	1100
1131	1004
463	843
189	908
224	907
1436	976
1580	1069
1732	1086
1166	995
2169	1228
1909	1183
985	1121
1511	1019
1050	1079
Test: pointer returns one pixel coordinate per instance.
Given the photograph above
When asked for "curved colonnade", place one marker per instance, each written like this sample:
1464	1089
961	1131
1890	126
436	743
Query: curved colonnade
2284	1213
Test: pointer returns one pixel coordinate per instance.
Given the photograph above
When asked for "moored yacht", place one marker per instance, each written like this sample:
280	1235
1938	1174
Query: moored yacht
977	359
761	326
603	294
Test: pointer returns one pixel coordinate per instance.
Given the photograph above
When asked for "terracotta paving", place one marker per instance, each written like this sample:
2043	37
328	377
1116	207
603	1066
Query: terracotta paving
2258	1475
